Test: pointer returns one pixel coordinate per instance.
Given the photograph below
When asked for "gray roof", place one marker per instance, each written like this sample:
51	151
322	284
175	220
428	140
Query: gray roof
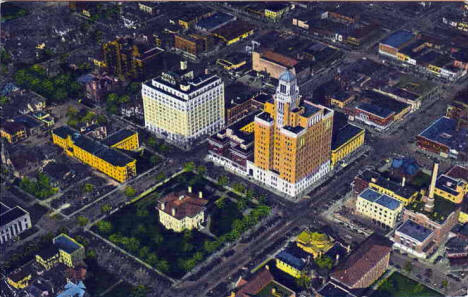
414	230
384	200
287	76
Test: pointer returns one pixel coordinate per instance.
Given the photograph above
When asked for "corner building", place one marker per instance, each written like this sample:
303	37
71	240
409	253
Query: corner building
292	140
183	108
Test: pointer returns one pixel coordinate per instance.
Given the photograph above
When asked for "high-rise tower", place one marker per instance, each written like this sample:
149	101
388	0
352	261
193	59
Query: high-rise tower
292	140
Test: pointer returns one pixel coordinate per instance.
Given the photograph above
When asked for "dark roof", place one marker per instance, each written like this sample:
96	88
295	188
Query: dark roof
233	29
361	261
12	127
414	230
290	259
118	137
48	252
379	111
309	109
96	148
398	38
344	134
27	121
3	208
265	116
215	20
447	184
444	131
458	172
406	192
295	130
64	243
11	215
260	280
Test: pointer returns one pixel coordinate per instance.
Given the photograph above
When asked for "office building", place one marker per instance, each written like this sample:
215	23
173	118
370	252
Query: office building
381	209
13	222
292	141
182	107
345	141
101	156
63	249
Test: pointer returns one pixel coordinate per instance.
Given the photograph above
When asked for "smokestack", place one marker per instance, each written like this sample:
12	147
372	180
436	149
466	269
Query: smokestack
429	206
200	194
403	181
173	212
183	65
190	189
163	205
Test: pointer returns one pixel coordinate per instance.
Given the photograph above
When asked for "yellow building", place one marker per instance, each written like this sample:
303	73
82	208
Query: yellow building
451	189
19	279
292	144
275	11
181	211
234	32
381	209
341	99
12	132
232	62
124	139
314	243
97	155
183	108
289	263
345	141
64	249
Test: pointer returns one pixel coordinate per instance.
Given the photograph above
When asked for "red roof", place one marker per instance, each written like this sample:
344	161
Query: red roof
458	172
361	262
279	58
185	204
259	281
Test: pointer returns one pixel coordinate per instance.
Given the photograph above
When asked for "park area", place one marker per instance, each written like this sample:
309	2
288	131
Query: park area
398	285
136	227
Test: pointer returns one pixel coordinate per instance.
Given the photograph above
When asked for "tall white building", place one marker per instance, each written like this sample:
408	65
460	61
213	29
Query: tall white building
183	108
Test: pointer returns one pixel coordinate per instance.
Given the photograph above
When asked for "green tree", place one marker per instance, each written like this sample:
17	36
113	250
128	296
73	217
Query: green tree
135	88
324	262
160	176
138	291
210	246
157	238
220	202
129	191
124	99
142	212
60	94
151	141
444	283
143	252
106	208
189	166
91	254
88	188
241	204
201	170
154	159
101	119
223	180
163	266
82	221
132	244
303	281
104	227
4	100
112	98
238	187
152	259
115	238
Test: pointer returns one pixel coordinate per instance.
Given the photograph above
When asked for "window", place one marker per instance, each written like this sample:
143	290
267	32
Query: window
283	89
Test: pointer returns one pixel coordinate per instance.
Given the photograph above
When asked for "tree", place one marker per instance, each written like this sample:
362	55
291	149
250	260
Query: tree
115	238
82	221
444	283
189	166
201	170
129	191
303	281
238	187
135	88
104	227
101	119
151	141
324	262
106	208
124	99
88	188
160	176
142	212
132	244
112	98
152	259
91	254
249	194
139	291
157	239
143	252
223	180
154	159
163	266
241	204
220	202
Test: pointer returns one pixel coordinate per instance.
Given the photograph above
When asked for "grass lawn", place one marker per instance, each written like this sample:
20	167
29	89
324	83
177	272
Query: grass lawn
121	290
136	228
98	279
398	285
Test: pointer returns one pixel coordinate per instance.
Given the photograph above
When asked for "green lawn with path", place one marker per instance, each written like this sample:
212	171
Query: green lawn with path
398	285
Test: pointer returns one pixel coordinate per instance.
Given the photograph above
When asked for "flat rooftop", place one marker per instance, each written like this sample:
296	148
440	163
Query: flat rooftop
65	243
383	200
344	134
118	137
11	215
414	230
398	38
379	111
444	131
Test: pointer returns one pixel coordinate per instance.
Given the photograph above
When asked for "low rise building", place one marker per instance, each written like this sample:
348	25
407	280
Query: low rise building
262	283
445	138
182	211
63	249
314	243
13	132
213	22
341	99
13	222
375	181
414	238
345	141
290	263
124	139
108	160
381	209
275	11
451	189
234	31
365	265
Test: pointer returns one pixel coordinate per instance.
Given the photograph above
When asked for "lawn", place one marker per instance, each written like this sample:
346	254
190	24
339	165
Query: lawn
136	227
398	285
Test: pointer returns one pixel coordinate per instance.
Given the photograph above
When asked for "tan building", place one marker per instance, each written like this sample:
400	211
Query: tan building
180	211
292	141
272	63
381	209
